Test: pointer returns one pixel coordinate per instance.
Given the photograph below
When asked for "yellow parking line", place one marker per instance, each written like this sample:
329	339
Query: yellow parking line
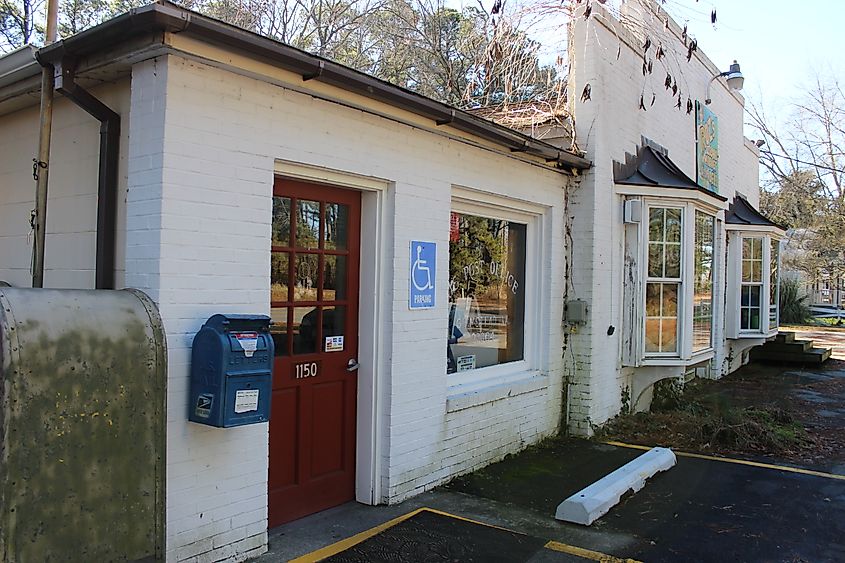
343	545
737	461
586	553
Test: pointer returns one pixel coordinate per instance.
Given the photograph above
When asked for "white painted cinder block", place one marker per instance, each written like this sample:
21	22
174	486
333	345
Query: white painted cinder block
203	146
608	126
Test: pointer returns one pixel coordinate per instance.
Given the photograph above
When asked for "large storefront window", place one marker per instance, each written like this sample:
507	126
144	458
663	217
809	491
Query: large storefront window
774	262
663	283
702	311
752	283
486	292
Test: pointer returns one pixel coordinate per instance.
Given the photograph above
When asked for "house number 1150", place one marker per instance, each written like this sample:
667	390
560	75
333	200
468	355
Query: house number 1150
306	369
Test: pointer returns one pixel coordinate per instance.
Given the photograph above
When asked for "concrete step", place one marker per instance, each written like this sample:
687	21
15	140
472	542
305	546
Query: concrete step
794	347
785	337
812	356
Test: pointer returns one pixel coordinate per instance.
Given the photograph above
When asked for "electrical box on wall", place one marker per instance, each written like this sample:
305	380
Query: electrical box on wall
575	311
232	371
633	212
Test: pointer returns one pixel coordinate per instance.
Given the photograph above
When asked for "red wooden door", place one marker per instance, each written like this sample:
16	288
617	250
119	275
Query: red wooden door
314	306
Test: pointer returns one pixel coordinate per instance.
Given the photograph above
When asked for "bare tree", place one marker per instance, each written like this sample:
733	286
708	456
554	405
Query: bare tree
804	163
19	23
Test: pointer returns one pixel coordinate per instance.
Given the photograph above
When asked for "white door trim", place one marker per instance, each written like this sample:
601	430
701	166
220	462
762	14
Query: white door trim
375	280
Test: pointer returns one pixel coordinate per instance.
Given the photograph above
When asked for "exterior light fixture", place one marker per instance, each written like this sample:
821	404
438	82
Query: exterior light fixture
733	76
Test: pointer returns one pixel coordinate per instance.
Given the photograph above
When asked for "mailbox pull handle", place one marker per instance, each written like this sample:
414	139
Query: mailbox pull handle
352	365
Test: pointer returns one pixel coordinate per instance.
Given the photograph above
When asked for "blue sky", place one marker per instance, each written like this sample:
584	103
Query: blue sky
778	43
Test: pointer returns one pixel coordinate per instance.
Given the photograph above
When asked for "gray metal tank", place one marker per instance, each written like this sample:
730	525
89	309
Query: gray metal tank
82	426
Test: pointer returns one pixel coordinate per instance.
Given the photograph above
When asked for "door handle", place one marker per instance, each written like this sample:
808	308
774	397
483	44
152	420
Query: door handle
352	365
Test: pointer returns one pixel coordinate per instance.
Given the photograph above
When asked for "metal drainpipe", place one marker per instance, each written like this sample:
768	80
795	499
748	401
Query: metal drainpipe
107	176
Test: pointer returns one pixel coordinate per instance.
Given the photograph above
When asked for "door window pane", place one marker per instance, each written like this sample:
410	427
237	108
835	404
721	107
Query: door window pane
334	278
306	330
279	329
281	221
279	276
486	292
307	223
305	274
334	321
337	226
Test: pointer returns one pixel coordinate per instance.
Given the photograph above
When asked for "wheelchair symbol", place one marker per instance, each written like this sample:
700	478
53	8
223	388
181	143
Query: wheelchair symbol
420	267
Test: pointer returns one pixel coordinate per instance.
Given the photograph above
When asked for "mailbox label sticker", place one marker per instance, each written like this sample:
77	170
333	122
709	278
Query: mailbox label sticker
248	341
334	344
246	400
204	403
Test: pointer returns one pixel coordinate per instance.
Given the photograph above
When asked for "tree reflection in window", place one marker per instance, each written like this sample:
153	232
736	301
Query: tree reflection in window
486	292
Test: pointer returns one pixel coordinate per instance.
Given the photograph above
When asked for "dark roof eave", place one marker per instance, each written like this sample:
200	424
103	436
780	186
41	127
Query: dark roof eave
701	189
740	207
171	18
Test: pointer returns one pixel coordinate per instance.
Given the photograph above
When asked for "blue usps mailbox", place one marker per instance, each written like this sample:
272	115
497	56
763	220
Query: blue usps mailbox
231	371
423	269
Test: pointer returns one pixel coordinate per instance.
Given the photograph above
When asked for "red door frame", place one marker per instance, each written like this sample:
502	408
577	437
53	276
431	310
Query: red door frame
313	419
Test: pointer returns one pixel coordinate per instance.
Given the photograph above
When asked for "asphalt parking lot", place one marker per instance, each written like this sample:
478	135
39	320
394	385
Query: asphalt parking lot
702	509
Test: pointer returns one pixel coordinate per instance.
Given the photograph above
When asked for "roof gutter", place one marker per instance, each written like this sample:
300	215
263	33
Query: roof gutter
164	16
18	65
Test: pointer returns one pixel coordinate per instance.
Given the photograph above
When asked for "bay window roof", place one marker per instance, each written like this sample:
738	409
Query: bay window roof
654	168
741	212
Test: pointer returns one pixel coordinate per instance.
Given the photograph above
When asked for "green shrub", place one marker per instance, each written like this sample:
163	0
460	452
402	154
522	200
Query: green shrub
793	305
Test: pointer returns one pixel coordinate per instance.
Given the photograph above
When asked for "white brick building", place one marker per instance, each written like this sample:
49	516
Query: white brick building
612	272
254	178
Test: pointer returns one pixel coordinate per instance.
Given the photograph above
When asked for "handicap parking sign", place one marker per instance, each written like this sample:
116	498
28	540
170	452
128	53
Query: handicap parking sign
422	273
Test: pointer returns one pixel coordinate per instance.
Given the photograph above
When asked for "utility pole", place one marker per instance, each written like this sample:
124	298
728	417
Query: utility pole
41	166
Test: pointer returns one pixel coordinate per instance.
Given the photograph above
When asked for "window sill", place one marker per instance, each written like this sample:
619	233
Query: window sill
465	396
754	335
696	358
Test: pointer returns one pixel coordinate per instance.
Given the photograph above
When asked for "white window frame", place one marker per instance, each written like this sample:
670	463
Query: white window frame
535	345
680	280
774	243
686	292
713	285
762	284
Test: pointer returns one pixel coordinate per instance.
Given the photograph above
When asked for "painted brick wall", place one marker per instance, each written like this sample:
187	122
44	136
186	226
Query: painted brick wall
198	230
72	192
201	166
609	58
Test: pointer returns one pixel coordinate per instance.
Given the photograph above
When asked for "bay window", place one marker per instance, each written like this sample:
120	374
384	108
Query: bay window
753	283
679	267
753	273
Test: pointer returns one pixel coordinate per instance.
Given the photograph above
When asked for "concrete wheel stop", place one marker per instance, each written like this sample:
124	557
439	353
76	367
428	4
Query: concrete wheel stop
589	504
